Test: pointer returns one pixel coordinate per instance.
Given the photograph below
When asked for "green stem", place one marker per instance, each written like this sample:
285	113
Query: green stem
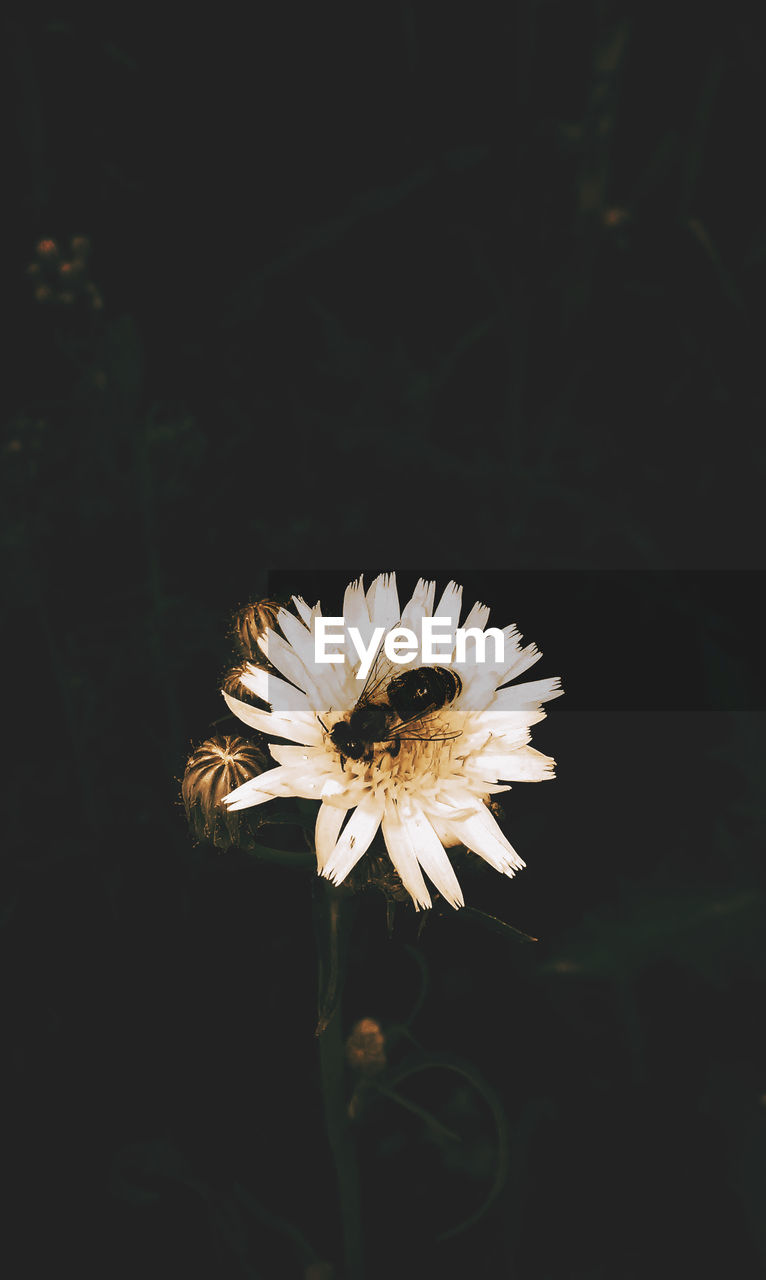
332	1070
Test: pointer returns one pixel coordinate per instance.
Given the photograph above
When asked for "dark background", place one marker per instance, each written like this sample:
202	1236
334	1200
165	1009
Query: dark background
481	287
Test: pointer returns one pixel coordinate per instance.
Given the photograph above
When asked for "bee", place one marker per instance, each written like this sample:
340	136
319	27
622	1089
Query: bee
423	691
406	700
357	735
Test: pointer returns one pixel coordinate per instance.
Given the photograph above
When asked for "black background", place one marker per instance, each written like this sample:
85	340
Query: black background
481	287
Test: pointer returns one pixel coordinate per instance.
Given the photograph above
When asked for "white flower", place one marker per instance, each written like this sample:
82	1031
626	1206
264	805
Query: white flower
427	786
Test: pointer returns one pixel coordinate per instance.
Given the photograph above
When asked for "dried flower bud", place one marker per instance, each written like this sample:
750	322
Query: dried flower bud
250	623
70	272
366	1047
48	251
232	684
216	767
43	293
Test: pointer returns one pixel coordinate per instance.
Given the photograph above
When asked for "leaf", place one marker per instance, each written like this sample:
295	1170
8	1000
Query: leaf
263	1215
428	1061
288	857
417	1110
472	915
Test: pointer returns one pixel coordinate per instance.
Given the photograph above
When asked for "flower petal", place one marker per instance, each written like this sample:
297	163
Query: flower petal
429	852
297	755
304	610
482	835
450	604
251	792
419	607
329	822
383	601
402	853
304	780
355	611
517	660
527	695
281	695
524	765
478	617
356	839
282	656
293	725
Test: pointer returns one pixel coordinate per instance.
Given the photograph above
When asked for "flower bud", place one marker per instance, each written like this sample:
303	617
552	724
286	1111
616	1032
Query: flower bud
232	684
48	251
216	767
366	1047
70	272
250	624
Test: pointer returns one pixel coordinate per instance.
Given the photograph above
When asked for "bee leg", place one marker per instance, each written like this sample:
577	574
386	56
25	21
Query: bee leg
395	753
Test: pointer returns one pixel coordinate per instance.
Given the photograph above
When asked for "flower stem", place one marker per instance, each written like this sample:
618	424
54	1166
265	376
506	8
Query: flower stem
331	1065
333	912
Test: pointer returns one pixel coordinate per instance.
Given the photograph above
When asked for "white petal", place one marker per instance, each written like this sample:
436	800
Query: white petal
402	853
287	780
293	725
420	606
528	694
302	643
481	834
429	852
383	601
328	825
518	660
304	612
281	695
449	605
297	755
251	792
355	611
524	765
509	729
478	617
282	656
246	796
355	840
479	684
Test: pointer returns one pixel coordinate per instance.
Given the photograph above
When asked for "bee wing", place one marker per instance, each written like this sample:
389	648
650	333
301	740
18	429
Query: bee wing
397	730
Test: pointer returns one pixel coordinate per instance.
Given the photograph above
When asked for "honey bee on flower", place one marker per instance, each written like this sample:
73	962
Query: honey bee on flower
388	738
